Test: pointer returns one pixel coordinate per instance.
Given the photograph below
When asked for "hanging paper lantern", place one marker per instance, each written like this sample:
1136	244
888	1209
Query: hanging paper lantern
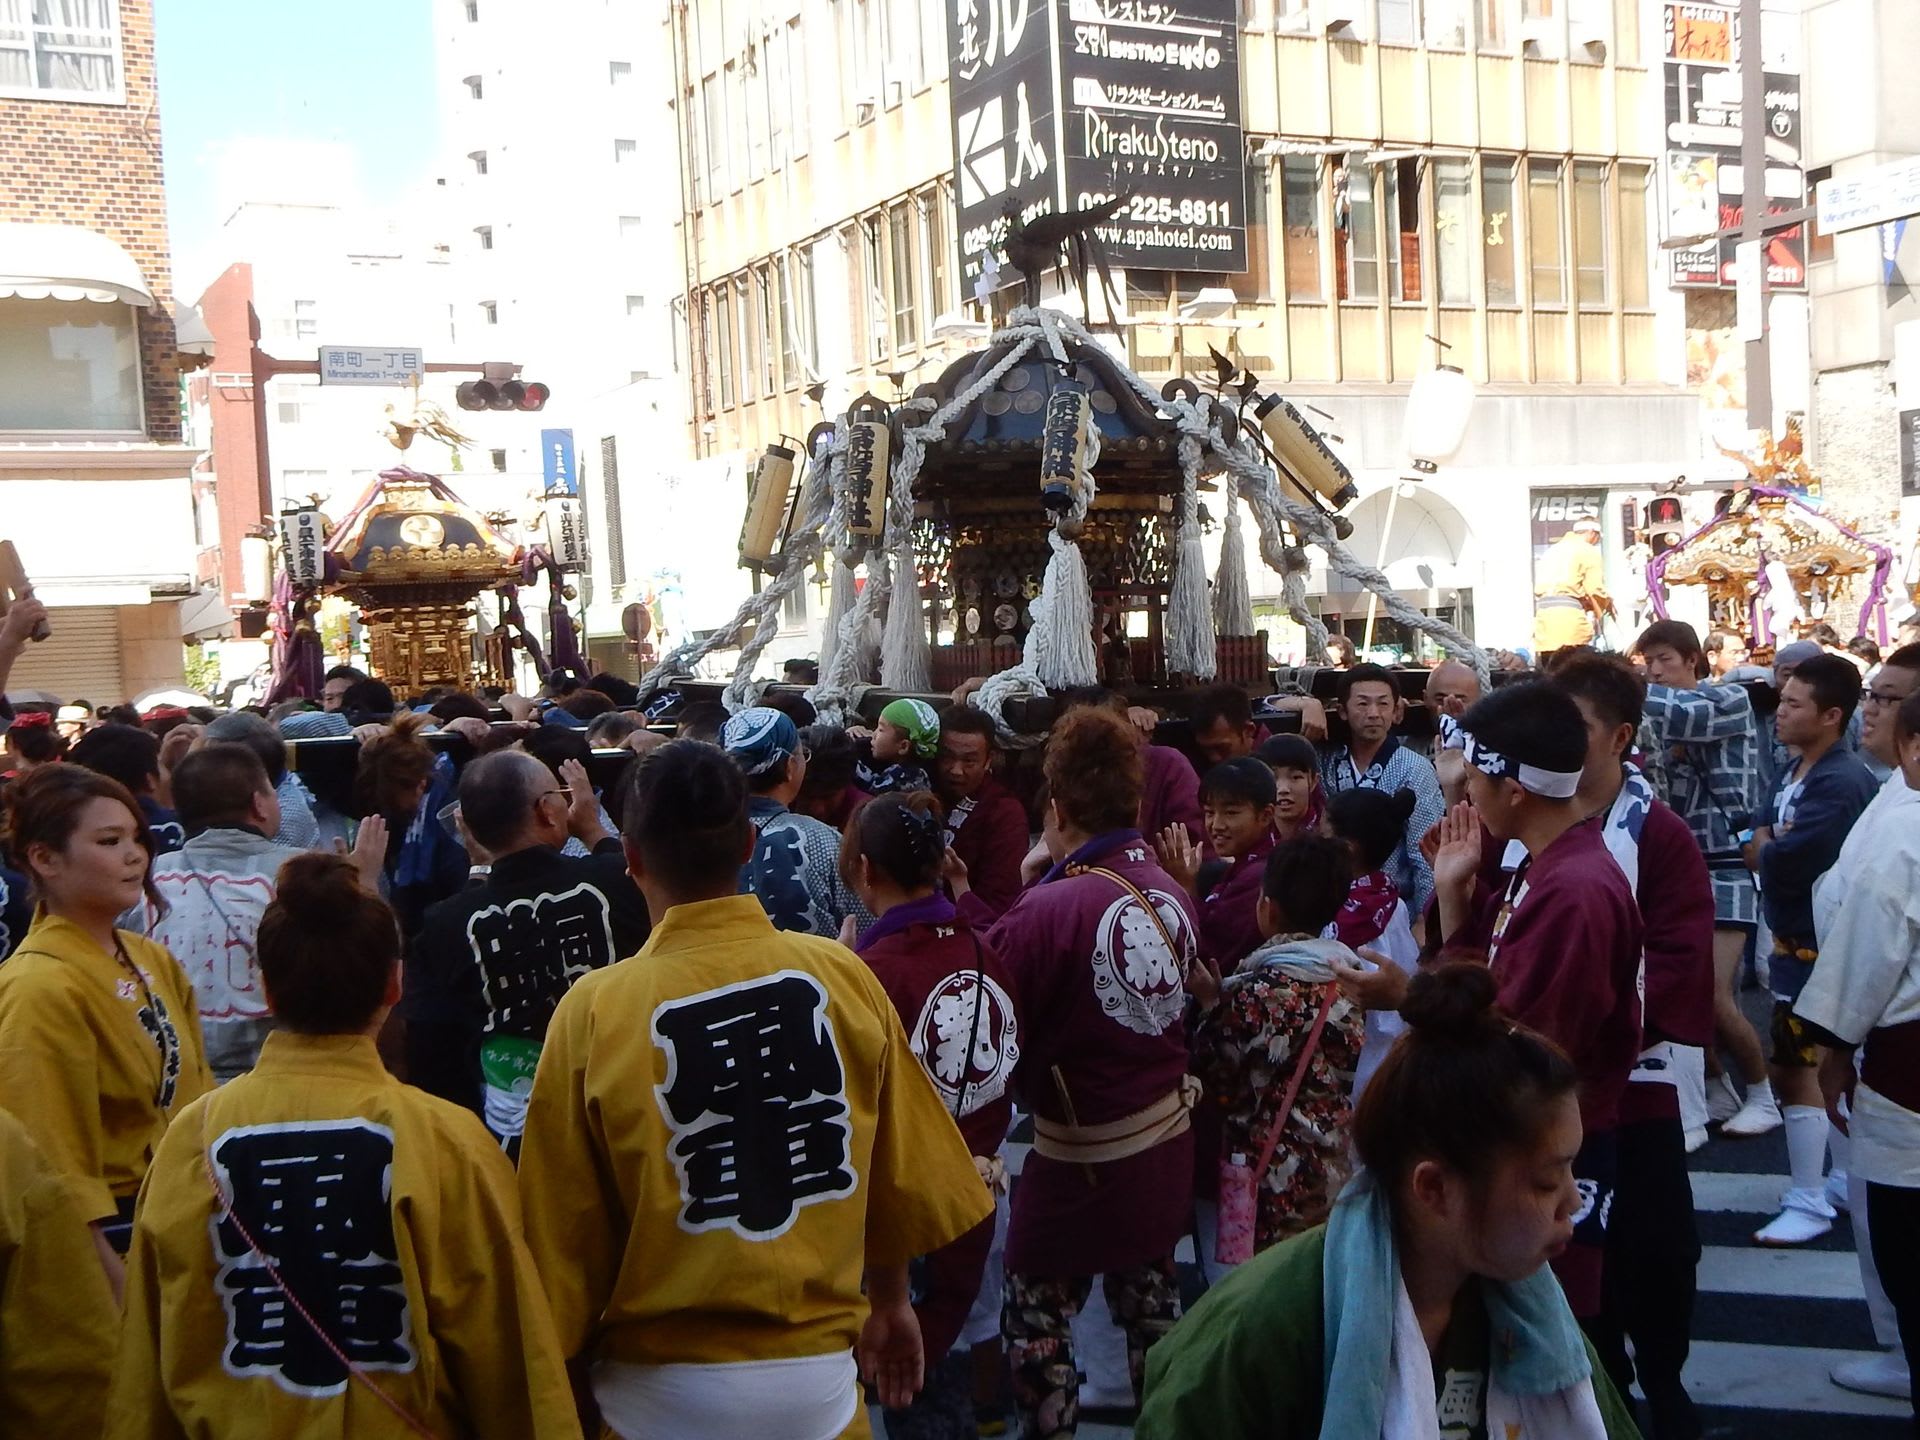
868	440
303	546
1436	418
1305	455
1063	445
566	532
767	505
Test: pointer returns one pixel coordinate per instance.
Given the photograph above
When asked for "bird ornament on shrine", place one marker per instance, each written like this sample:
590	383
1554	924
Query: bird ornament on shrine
1066	238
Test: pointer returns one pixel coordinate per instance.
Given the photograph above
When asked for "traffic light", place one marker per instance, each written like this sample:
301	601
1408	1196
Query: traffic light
1664	523
502	395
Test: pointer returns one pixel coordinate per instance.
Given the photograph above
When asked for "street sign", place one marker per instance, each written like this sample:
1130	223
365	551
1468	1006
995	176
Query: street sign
1887	192
369	365
556	461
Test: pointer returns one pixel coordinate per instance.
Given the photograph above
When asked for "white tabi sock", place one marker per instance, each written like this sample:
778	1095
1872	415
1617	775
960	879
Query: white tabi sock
1806	1146
1837	1146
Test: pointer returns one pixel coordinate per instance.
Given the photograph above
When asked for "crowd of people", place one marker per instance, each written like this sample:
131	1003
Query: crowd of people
472	1099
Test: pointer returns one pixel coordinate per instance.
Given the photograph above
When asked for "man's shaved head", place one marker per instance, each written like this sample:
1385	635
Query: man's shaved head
1452	687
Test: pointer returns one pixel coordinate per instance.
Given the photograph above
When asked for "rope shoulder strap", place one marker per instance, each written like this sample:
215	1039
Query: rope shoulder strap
1146	904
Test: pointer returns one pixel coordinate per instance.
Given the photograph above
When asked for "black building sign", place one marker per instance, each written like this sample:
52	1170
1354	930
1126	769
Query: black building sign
1060	104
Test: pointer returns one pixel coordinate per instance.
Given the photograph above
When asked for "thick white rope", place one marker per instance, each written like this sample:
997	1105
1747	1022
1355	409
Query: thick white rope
1232	595
1189	636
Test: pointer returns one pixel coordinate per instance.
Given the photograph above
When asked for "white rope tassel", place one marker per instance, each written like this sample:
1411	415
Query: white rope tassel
841	595
1190	643
1232	595
906	658
1059	647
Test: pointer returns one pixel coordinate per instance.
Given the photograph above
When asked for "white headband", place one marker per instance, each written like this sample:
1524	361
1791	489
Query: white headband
1549	784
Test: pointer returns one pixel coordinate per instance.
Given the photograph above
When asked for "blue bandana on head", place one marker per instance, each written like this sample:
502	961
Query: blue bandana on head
759	739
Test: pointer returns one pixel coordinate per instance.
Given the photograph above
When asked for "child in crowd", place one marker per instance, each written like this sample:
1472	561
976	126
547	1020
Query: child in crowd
1237	802
1298	799
1370	824
896	755
1283	1009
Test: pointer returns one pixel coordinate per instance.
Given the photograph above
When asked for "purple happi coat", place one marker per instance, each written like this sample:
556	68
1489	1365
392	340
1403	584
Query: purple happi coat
1102	1003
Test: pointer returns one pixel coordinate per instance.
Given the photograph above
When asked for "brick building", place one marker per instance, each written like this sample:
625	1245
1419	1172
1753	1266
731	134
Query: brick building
94	477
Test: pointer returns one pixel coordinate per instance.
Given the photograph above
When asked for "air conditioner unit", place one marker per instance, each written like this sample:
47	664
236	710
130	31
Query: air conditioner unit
896	92
1335	16
865	109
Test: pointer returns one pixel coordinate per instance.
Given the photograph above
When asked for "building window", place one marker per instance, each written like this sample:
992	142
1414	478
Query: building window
1292	14
795	91
625	151
499	459
793	609
789	338
635	305
1546	248
750	339
289	407
873	291
616	528
302	483
69	49
1300	216
489	312
723	330
473	11
1626	32
939	260
1498	229
619	72
901	236
306	323
1453	230
1592	256
1493	24
1539	34
736	94
758	116
763	312
1634	260
632	227
1256	282
1819	245
479	159
1394	22
1400	208
906	65
68	365
713	107
1444	23
1358	257
484	233
475	88
806	309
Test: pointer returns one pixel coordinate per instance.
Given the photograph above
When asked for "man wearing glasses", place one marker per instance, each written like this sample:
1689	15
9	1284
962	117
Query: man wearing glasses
1893	807
491	963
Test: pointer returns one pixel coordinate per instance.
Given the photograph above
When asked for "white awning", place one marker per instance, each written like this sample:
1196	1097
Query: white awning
190	333
67	262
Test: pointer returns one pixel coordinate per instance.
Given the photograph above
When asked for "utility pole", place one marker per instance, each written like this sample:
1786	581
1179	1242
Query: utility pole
1751	57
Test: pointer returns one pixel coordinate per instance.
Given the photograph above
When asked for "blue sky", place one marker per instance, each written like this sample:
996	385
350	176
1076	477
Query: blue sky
253	92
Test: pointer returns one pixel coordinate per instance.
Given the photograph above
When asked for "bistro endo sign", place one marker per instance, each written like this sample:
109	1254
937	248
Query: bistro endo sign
1062	104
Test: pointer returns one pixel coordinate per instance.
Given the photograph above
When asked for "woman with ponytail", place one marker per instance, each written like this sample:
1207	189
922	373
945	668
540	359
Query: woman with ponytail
321	1250
955	1001
1425	1306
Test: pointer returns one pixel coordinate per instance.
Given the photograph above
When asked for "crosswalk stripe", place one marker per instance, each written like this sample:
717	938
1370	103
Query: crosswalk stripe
1719	1190
1819	1274
1777	1377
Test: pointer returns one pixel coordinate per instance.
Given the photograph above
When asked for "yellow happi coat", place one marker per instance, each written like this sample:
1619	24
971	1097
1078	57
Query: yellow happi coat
390	1215
95	1057
58	1321
663	1233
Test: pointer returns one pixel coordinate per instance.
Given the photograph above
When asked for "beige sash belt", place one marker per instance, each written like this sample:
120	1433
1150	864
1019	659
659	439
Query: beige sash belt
1117	1139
